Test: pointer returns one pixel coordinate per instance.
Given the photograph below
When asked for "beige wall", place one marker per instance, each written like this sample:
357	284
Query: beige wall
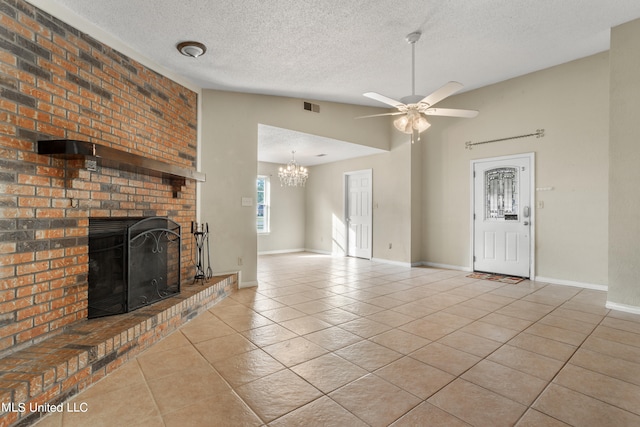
417	190
287	215
570	102
325	227
229	158
422	192
624	168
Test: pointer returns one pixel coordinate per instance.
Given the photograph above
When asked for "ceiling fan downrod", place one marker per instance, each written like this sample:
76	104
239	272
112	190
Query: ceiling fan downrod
412	39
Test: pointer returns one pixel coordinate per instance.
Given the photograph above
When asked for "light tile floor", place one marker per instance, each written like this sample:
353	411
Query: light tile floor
347	342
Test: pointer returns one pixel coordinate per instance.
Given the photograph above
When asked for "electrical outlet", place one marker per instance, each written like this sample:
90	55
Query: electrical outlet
239	260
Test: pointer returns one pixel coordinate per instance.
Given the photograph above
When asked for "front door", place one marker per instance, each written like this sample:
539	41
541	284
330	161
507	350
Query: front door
359	213
502	215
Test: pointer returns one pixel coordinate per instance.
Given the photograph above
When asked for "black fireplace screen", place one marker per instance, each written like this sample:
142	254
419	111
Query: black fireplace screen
133	262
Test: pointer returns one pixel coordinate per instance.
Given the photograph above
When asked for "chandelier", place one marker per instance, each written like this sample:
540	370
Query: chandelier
293	175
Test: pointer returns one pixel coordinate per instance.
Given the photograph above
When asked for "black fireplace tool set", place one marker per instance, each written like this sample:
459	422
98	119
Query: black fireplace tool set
201	235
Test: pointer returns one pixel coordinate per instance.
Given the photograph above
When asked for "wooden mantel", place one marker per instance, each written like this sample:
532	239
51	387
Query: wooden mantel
116	159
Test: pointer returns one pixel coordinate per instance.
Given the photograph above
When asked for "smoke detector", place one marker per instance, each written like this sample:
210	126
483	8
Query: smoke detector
192	49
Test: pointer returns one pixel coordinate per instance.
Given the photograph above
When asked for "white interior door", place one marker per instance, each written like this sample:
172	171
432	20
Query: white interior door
502	215
358	215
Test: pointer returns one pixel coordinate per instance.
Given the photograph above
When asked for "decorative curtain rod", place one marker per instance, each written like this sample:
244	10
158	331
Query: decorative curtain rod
539	133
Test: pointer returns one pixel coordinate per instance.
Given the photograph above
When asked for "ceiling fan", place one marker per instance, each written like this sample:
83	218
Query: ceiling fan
413	108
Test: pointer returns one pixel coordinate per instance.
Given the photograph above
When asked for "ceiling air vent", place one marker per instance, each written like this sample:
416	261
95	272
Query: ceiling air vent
311	107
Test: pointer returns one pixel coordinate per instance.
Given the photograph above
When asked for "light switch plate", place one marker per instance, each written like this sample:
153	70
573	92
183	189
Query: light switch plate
247	201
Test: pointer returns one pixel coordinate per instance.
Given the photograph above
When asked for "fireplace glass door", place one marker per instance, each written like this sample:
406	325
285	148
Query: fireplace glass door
133	262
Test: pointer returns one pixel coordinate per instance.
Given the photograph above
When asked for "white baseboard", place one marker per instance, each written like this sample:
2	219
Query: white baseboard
252	284
321	252
623	307
571	283
241	284
446	266
281	251
388	261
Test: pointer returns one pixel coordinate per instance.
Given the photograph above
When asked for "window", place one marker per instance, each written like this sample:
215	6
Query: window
501	193
262	204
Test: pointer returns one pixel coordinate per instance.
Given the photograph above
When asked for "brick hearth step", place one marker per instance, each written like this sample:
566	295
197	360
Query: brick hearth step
59	367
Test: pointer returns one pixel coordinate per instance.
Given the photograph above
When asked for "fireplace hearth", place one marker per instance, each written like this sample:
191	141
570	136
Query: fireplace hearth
133	262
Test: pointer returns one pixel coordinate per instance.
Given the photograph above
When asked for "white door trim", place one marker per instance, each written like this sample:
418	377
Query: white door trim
345	214
532	252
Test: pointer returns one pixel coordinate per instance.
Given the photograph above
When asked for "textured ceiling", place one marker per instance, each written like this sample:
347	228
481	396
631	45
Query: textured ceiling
335	50
276	144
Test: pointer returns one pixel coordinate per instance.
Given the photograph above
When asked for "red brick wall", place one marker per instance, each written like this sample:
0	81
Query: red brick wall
58	83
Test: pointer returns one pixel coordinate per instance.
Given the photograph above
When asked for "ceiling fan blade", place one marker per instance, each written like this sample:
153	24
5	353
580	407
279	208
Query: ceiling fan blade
384	99
440	94
451	112
378	115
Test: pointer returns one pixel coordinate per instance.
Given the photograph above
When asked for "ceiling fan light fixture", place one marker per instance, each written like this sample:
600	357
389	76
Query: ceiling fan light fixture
192	49
421	124
402	124
411	121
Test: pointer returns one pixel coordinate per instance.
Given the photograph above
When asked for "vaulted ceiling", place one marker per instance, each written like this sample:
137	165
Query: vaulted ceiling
335	50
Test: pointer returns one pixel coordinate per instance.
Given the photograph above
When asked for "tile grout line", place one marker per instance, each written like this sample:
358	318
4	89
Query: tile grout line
471	321
431	341
502	344
550	382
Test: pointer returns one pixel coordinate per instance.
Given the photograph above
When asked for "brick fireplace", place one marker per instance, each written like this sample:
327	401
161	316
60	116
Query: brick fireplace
57	83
